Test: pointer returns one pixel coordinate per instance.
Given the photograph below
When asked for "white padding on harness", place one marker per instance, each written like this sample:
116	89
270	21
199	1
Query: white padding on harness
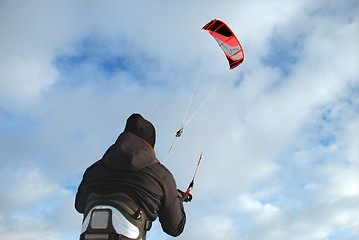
120	223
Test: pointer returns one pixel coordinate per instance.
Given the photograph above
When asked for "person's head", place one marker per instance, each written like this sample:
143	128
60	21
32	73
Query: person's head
141	127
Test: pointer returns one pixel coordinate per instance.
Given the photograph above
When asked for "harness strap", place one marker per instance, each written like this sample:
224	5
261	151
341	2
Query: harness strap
121	211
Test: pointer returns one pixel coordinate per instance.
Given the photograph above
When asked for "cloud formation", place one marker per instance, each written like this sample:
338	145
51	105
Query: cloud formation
281	159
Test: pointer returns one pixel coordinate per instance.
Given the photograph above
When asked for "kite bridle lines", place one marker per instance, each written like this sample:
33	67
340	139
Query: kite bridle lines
235	56
185	123
180	131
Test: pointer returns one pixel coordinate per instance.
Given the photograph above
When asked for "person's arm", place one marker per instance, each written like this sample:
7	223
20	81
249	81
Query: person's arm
80	203
171	214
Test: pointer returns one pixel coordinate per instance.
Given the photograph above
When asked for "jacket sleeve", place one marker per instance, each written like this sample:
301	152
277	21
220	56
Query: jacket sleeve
80	202
81	195
171	214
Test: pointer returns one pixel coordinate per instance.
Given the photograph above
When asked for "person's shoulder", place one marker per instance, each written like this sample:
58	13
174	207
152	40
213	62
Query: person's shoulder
159	170
159	166
95	165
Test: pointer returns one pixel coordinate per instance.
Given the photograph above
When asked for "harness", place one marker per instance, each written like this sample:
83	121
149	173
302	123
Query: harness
114	217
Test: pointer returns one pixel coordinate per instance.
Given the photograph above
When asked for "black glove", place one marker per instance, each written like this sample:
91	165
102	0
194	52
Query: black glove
183	197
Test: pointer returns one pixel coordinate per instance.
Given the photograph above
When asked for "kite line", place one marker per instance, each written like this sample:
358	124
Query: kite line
191	184
233	50
179	132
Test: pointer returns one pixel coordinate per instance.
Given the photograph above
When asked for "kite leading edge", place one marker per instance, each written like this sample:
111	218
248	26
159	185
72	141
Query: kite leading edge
227	41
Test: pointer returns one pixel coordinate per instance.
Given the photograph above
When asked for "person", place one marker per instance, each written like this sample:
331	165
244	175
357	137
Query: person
122	193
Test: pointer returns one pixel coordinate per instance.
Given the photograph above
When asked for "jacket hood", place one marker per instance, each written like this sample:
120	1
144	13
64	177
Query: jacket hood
133	149
129	153
142	128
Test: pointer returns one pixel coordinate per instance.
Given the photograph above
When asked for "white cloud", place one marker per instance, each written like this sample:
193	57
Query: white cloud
273	168
263	213
24	79
353	141
34	206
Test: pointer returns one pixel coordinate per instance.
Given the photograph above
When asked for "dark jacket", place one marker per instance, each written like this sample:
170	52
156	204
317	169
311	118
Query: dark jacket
130	166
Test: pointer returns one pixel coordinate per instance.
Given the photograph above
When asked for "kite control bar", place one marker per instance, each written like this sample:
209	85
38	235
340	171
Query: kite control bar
180	131
184	196
188	192
190	186
178	134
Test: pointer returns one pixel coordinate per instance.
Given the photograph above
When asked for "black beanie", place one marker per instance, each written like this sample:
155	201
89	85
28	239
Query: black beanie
141	127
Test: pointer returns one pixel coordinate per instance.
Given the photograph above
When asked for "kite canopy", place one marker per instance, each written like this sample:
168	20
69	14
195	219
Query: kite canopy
227	41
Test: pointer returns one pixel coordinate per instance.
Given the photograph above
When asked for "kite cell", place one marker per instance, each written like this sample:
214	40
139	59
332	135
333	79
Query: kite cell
227	41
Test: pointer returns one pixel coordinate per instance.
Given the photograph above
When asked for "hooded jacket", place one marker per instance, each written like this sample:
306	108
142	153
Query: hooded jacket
130	167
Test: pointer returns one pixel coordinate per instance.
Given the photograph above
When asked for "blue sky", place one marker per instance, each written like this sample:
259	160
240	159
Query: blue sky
281	160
